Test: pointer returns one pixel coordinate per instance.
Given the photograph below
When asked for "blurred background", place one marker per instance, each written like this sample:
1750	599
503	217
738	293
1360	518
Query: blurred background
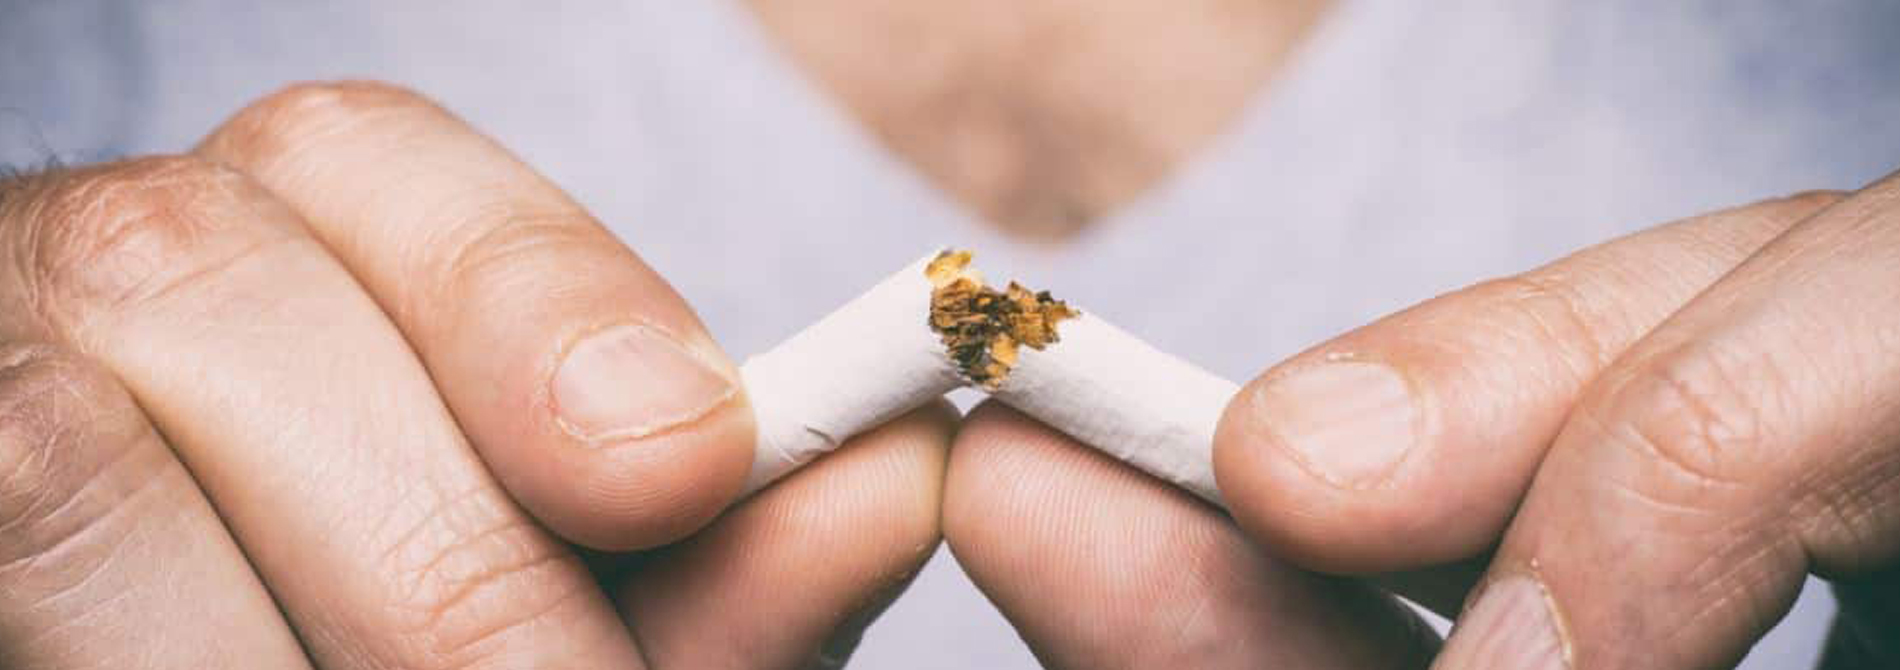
1297	183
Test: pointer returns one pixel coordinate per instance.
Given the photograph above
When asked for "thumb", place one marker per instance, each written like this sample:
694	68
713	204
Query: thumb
1408	442
1747	441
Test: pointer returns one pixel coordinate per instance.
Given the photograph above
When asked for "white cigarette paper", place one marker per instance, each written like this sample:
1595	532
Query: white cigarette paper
1107	389
864	364
877	357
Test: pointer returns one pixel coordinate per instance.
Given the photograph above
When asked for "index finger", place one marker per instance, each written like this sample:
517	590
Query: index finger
590	388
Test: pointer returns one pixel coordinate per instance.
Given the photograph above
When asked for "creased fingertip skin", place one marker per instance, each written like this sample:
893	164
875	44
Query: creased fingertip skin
631	489
645	492
789	577
1098	565
1279	501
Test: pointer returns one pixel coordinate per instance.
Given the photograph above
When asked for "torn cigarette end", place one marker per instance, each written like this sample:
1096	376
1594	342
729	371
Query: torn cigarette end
981	327
870	360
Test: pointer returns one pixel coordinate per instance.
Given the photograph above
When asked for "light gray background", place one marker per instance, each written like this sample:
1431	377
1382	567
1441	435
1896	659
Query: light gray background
1411	148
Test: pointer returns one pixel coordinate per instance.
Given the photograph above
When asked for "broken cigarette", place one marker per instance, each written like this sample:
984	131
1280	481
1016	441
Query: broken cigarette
935	326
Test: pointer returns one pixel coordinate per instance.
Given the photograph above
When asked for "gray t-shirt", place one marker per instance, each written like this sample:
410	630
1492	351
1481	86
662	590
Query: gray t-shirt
1408	149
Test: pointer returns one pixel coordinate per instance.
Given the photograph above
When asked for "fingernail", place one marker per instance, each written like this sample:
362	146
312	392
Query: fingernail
1349	421
1510	627
631	381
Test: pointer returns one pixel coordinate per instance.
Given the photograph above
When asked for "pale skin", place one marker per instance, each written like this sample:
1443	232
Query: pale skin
296	399
318	360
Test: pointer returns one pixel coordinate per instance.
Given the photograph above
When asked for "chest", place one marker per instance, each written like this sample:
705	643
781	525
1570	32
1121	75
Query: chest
1041	115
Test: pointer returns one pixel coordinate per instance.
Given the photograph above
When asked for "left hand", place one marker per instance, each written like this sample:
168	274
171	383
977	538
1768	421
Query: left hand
351	386
1643	448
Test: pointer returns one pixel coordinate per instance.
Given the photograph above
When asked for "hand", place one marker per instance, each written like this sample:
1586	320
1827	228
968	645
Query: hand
1642	449
1100	566
1648	445
327	390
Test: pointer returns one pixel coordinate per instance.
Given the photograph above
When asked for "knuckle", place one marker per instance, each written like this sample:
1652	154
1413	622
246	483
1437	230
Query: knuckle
111	233
1808	201
450	569
488	248
300	114
1772	216
63	425
1545	315
1690	418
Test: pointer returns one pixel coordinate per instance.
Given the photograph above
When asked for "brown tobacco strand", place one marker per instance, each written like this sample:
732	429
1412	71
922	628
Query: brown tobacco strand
981	327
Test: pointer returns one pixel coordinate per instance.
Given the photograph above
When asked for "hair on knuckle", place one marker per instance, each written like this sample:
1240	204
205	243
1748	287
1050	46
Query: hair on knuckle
18	182
61	422
102	236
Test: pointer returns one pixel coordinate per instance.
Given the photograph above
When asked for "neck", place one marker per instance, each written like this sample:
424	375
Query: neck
1042	115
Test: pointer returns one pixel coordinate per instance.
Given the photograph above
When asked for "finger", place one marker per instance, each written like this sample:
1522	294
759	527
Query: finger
589	387
309	424
1408	442
790	577
1748	439
107	548
1098	566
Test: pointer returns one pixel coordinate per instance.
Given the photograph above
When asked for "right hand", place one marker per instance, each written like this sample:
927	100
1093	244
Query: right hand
1633	456
297	399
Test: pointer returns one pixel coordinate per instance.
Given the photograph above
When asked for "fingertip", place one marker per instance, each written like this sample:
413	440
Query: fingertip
924	436
1044	481
994	446
619	436
938	415
655	489
891	477
982	422
803	565
1097	564
1335	465
929	428
634	491
1279	500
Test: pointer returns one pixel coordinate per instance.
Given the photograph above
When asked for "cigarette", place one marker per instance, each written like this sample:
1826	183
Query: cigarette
1108	389
858	367
935	326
